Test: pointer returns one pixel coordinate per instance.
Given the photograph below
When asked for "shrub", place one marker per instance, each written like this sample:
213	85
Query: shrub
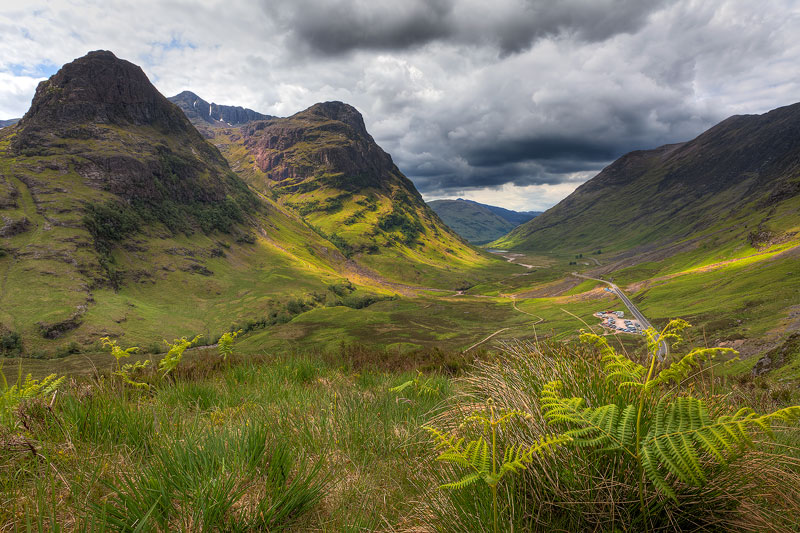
10	343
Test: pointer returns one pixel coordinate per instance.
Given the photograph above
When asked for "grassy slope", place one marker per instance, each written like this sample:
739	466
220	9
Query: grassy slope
351	206
49	275
474	222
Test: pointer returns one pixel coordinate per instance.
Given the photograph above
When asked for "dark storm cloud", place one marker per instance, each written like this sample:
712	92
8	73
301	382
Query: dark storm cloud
341	26
541	149
511	101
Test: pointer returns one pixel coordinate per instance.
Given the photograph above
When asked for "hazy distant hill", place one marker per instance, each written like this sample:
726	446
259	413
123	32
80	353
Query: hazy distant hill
478	223
9	122
739	177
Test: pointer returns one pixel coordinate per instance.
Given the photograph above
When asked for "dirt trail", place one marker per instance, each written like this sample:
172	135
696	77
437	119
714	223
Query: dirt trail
514	304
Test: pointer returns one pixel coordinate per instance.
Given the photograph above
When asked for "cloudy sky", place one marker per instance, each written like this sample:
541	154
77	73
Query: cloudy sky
508	102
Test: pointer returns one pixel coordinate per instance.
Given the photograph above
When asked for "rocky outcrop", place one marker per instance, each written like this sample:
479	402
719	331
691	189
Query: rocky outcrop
778	356
93	90
10	227
327	138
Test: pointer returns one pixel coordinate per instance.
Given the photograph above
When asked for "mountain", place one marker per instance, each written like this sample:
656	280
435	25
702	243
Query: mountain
9	122
203	114
736	184
118	218
323	165
478	223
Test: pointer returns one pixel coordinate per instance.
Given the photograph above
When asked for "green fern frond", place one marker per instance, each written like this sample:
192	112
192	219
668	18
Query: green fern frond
617	367
175	353
402	386
680	370
125	373
421	386
26	389
465	481
607	425
682	434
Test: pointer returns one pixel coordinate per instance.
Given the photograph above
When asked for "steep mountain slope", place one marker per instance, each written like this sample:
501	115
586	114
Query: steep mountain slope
206	115
477	223
323	165
117	217
738	182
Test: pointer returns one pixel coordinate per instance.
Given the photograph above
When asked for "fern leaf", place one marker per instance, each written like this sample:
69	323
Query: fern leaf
402	386
682	432
606	425
680	370
617	367
465	481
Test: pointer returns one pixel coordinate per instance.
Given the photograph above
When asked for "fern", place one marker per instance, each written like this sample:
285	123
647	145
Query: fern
124	371
617	367
25	389
116	351
225	344
682	433
680	370
175	354
608	426
419	385
673	439
481	456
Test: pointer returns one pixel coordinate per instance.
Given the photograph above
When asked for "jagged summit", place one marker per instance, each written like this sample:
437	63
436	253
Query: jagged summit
99	88
200	111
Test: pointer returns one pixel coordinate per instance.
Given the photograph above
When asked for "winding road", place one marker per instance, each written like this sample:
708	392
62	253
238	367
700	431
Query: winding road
663	347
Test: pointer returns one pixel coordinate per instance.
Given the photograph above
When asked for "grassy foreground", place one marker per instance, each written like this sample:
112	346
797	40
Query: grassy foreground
321	443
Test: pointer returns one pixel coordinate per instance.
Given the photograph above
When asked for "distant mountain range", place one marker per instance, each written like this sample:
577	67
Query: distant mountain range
737	182
9	122
479	223
202	113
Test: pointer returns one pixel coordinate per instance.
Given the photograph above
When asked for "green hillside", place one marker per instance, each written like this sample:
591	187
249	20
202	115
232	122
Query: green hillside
735	183
324	167
118	218
477	223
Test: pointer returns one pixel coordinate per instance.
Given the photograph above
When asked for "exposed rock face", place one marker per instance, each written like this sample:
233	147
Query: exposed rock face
167	161
329	136
10	227
98	88
778	356
197	109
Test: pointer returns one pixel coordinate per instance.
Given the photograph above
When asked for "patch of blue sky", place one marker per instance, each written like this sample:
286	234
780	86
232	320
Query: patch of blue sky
39	70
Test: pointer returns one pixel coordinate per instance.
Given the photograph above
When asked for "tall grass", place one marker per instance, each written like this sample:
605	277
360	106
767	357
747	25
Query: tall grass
269	444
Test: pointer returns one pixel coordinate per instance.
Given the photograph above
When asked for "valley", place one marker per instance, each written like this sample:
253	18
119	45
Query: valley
223	320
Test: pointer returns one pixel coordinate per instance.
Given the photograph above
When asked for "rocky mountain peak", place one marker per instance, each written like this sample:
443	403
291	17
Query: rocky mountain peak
338	111
100	88
200	111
